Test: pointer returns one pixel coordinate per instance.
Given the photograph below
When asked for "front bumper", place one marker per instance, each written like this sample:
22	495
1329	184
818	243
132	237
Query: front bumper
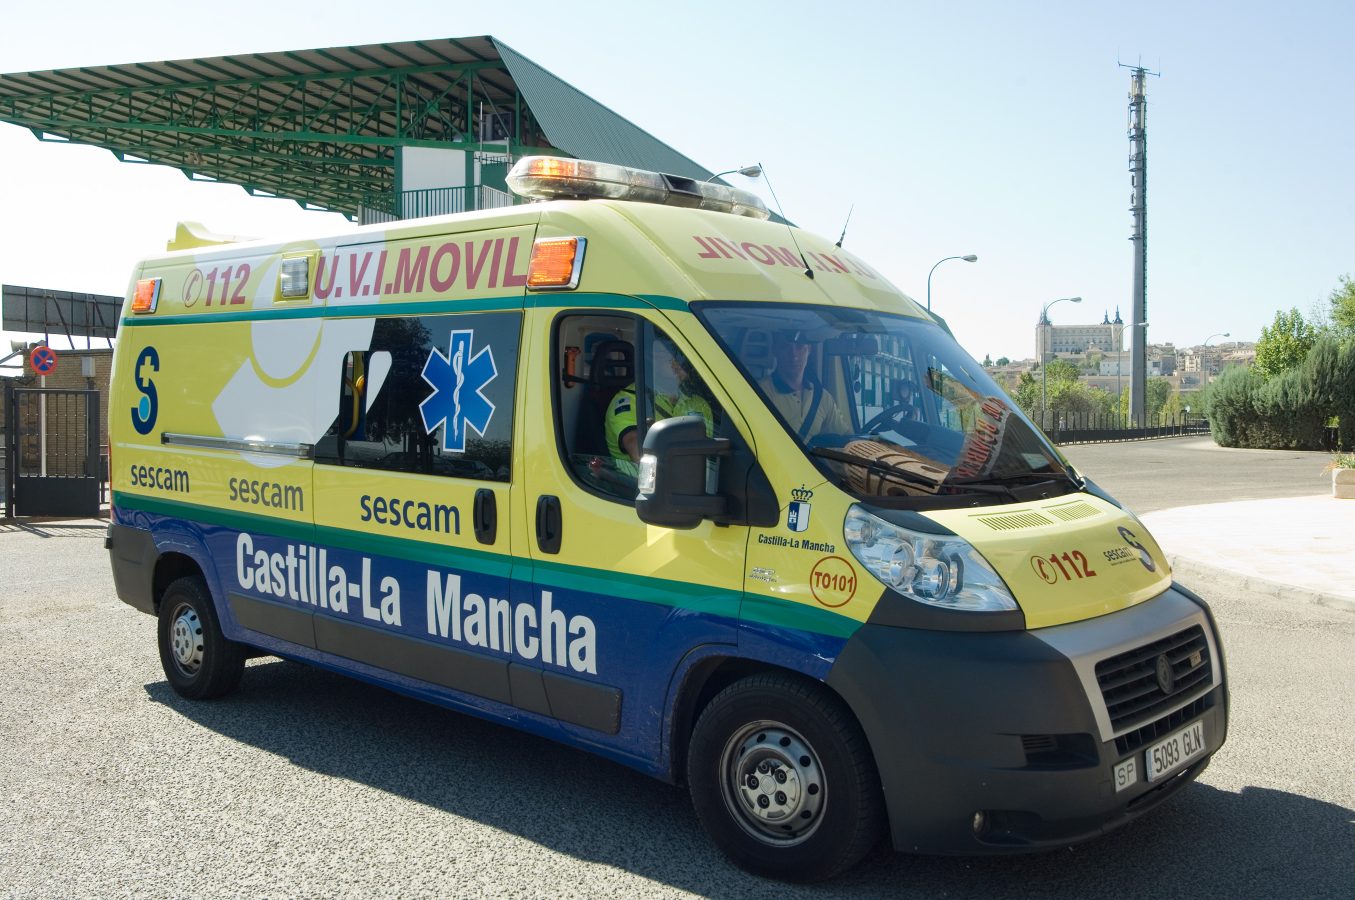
1014	725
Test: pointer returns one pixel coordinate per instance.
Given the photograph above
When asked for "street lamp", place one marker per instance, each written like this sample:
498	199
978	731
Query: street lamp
1206	347
968	257
752	171
1044	362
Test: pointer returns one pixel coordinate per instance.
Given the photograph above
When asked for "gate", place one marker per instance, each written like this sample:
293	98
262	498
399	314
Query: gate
53	465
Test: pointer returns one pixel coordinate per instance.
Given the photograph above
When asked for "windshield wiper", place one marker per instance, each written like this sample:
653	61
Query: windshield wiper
1027	479
904	475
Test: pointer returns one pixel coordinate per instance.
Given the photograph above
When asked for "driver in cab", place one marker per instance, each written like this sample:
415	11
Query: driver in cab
797	395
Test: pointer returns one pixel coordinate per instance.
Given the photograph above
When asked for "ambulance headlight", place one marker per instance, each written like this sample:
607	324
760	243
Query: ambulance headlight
939	570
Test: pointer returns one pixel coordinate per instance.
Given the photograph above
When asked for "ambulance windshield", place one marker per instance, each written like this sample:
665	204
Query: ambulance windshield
888	406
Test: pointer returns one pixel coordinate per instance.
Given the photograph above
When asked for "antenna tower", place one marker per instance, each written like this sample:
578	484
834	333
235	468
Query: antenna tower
1138	180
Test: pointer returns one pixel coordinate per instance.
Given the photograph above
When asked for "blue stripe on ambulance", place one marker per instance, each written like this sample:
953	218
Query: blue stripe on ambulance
666	618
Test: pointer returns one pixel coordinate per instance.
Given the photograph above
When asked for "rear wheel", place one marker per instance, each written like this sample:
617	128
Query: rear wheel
199	662
783	780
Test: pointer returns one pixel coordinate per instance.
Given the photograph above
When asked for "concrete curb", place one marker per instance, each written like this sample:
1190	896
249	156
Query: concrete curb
1184	566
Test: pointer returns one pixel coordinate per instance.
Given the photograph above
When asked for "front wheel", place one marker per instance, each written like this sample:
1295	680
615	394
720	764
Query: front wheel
199	662
783	780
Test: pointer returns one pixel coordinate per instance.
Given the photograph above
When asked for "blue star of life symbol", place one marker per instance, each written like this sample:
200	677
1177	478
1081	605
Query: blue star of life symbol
458	381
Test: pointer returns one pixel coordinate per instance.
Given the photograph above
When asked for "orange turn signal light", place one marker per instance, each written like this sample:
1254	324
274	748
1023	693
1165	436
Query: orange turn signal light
556	264
147	295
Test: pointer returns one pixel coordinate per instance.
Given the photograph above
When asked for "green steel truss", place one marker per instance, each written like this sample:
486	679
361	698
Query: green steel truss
320	127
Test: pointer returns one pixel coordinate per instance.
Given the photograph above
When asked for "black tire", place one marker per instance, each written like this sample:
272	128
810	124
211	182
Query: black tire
816	808
199	662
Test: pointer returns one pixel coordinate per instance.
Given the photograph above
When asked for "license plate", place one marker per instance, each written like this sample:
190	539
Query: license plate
1174	751
1126	774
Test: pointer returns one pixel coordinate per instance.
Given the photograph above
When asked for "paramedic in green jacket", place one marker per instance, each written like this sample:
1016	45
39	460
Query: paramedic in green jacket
692	398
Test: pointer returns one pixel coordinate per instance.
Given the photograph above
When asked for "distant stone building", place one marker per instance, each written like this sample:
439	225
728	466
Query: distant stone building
1052	340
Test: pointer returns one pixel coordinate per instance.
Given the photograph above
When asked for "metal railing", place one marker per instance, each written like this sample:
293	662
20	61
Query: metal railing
444	201
1086	428
434	202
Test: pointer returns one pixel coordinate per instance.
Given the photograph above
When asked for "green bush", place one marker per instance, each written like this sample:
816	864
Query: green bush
1343	406
1288	410
1228	404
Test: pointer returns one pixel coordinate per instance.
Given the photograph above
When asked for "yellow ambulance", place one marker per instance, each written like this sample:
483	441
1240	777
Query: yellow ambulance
640	469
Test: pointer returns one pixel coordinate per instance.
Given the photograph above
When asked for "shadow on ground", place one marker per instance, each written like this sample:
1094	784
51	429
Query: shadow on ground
54	528
1259	843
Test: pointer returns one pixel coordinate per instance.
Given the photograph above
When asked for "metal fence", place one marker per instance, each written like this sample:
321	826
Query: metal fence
1086	428
433	202
442	201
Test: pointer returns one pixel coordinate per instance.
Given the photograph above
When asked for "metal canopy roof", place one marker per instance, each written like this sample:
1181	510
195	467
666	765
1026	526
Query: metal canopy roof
321	127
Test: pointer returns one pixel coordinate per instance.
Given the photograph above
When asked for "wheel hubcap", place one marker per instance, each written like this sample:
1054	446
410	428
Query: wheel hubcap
772	783
185	639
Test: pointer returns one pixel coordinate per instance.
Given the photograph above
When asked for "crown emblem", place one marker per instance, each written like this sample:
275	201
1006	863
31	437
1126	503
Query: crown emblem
802	493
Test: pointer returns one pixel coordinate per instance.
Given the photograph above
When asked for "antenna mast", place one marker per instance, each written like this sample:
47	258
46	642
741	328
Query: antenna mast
1138	180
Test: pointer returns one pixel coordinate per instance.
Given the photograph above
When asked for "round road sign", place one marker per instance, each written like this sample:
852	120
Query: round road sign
43	360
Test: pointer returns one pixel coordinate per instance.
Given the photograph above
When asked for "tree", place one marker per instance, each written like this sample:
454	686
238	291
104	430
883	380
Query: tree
1158	391
1157	400
1061	370
1330	372
1003	361
1284	344
1345	400
1067	397
1343	307
987	361
1173	409
1228	402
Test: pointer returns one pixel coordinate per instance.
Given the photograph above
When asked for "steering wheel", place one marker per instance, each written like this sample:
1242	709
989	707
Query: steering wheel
896	417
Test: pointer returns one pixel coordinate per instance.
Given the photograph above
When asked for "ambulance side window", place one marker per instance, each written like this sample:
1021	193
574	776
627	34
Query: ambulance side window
431	395
616	375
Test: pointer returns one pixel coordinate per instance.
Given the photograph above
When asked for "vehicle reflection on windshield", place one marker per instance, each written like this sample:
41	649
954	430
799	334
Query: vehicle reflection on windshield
886	405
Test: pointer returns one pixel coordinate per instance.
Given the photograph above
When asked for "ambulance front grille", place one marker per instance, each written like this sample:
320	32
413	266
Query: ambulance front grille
1132	688
1144	735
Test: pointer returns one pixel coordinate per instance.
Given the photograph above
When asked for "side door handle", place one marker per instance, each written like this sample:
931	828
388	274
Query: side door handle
485	516
549	523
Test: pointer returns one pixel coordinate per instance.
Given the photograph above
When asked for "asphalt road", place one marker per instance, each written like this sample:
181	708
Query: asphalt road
305	783
1171	472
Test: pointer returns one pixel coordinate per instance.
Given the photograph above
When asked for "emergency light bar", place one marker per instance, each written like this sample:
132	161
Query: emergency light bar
557	178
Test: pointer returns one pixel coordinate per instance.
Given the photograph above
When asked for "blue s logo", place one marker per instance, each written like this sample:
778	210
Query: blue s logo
144	413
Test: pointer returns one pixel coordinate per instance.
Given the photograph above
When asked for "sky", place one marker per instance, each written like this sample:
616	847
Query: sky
991	128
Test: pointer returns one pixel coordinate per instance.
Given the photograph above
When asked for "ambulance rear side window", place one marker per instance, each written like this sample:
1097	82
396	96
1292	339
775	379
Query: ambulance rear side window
431	395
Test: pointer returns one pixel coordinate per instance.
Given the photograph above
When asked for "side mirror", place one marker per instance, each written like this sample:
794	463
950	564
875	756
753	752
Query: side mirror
672	478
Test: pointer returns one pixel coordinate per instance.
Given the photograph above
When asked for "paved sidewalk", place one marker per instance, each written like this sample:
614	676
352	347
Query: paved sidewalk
1298	547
